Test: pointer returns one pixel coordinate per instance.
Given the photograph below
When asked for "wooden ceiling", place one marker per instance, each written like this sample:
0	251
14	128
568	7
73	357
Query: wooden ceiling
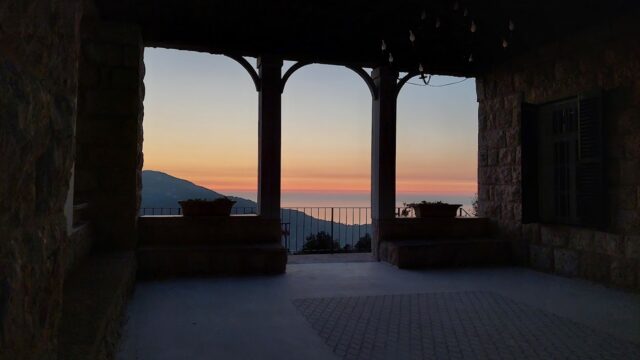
350	32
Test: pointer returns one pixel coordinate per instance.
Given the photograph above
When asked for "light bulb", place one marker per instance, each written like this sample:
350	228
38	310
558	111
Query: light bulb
456	6
471	58
412	36
512	26
437	23
390	58
423	15
473	26
383	46
505	43
421	68
466	12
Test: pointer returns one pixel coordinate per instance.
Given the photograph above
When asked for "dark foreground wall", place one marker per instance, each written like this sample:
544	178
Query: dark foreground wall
606	57
38	79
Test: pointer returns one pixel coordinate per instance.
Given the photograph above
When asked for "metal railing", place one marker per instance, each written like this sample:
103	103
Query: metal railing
327	229
316	229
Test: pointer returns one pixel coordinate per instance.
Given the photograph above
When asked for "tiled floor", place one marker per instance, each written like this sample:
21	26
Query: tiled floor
454	325
468	312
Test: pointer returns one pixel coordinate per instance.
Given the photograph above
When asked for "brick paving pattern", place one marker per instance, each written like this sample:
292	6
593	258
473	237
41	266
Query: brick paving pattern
453	325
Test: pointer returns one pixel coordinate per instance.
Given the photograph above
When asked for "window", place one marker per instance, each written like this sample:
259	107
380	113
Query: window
563	170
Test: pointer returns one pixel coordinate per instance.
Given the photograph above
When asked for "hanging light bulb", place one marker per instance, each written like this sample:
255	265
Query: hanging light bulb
471	58
512	26
505	43
383	46
421	69
412	36
423	15
390	58
456	6
466	12
437	23
473	26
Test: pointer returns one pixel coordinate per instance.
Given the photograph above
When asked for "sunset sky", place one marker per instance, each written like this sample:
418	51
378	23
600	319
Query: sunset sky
200	124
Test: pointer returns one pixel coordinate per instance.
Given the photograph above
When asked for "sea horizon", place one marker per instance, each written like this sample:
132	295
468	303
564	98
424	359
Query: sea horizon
295	199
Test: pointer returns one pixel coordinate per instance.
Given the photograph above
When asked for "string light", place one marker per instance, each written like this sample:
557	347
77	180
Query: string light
512	26
505	43
390	58
471	58
466	12
412	36
473	26
383	46
421	68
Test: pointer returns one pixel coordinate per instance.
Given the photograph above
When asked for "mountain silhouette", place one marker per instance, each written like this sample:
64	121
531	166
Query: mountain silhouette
161	193
161	190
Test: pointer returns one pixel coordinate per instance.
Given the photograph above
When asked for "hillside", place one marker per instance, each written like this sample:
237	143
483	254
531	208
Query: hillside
161	190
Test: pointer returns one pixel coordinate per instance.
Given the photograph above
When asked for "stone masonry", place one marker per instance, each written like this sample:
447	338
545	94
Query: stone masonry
39	47
109	130
606	57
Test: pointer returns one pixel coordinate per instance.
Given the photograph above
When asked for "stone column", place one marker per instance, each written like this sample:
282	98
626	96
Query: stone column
269	137
109	131
383	151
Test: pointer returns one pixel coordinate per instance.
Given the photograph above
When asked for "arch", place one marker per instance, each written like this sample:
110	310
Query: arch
404	80
363	75
290	72
247	66
367	79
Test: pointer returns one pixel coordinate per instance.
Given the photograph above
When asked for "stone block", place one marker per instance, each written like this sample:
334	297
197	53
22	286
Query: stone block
492	157
541	257
623	272
531	233
505	156
630	172
595	267
555	236
513	136
612	244
627	221
566	262
581	239
626	197
632	246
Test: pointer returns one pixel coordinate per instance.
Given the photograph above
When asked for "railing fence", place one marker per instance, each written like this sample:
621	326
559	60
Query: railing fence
315	229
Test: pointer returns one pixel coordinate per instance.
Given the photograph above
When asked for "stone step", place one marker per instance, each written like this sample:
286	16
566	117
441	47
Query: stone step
175	261
446	252
94	298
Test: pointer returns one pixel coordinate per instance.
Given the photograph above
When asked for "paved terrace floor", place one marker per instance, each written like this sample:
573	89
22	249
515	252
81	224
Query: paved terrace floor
372	310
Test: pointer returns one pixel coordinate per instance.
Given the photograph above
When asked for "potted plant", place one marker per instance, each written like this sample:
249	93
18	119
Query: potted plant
428	209
201	207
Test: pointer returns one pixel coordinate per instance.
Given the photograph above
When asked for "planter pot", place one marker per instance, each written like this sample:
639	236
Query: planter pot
436	210
219	207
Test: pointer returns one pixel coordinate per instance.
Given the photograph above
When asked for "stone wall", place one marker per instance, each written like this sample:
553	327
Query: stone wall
38	79
109	130
606	57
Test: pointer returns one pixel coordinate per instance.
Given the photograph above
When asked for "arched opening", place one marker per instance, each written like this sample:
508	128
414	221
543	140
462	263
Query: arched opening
437	141
326	159
200	131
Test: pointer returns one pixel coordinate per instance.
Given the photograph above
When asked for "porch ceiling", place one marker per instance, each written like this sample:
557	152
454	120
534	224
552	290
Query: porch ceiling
350	32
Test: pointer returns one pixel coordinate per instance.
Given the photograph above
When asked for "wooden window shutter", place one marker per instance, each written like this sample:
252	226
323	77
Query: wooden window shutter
590	174
529	163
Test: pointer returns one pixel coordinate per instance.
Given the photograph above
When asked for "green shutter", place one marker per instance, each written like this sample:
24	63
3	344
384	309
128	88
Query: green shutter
590	172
